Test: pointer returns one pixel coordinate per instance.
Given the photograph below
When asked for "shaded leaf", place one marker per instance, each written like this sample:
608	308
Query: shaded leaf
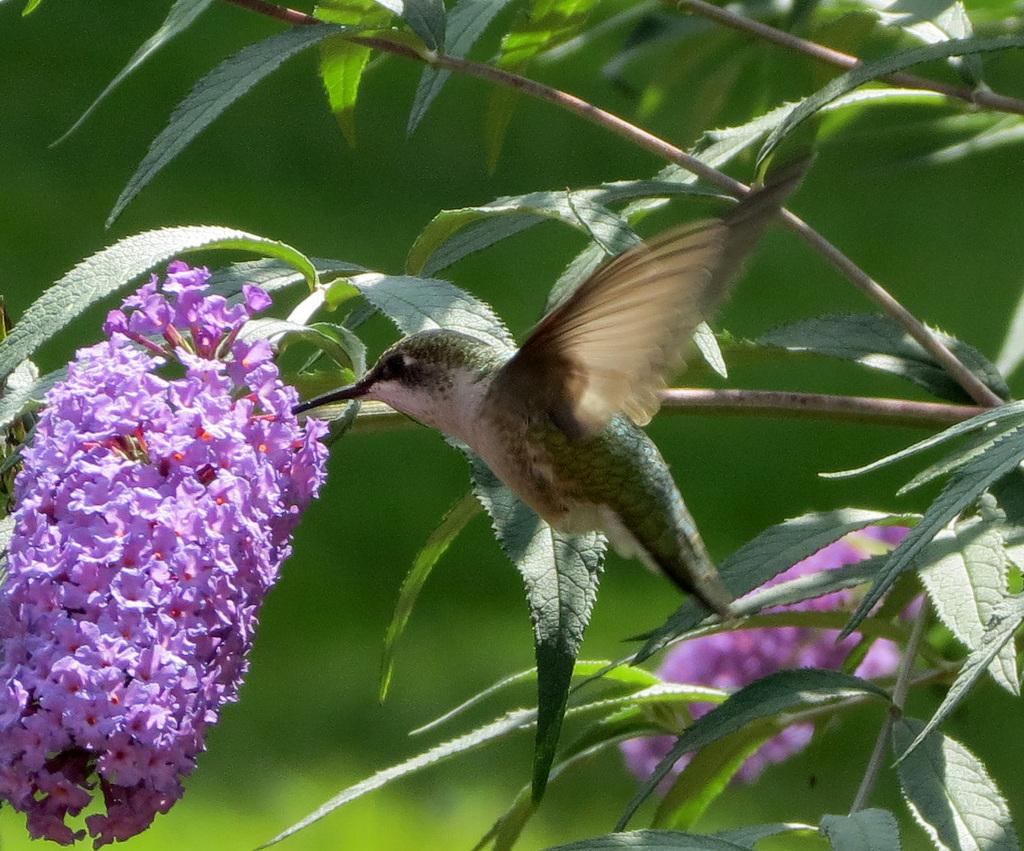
466	23
866	71
748	837
179	18
1002	625
24	389
773	551
426	18
934	21
783	691
965	486
437	544
865	830
107	271
881	343
561	573
950	793
214	93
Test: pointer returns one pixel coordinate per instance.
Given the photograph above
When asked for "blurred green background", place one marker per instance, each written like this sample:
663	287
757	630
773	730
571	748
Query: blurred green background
946	240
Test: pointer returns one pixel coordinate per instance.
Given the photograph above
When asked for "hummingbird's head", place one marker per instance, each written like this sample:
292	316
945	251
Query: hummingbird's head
436	376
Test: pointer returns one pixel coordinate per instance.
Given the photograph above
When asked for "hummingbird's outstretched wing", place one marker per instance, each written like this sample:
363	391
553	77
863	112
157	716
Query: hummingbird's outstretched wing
613	343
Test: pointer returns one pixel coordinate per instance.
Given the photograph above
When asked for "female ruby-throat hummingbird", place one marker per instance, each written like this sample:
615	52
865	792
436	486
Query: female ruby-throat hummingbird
558	419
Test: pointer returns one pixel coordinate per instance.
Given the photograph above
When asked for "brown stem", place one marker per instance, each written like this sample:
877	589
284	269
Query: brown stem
980	97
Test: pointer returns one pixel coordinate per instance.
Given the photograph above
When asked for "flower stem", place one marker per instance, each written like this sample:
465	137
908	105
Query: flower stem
899	698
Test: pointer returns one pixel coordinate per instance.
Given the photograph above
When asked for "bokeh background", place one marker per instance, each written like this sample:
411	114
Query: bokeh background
947	240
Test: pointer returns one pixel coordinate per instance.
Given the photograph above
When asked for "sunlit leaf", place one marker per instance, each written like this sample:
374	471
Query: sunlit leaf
866	71
342	62
107	271
950	793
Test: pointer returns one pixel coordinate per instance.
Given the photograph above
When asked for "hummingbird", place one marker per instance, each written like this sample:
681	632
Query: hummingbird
559	420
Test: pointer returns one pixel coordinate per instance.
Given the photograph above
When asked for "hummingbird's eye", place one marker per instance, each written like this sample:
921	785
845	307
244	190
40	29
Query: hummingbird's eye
396	366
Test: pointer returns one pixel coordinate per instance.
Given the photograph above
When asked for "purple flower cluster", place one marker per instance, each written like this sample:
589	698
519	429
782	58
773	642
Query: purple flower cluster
730	660
153	515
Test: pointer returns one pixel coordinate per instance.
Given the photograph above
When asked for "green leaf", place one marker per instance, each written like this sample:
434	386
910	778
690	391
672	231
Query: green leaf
881	343
865	830
866	71
1010	415
272	275
462	231
1002	625
437	544
1011	354
513	722
549	23
964	572
424	17
342	62
415	304
25	389
466	23
107	271
962	455
783	691
707	775
774	550
561	573
652	840
950	793
178	19
962	490
213	94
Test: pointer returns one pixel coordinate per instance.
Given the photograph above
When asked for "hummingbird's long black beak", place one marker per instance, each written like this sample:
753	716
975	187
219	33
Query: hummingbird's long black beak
343	394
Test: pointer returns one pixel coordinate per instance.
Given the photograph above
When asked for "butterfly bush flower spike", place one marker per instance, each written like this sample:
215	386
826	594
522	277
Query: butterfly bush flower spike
731	660
153	514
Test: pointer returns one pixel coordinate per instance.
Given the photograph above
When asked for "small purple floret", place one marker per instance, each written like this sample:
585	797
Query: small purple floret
153	516
731	660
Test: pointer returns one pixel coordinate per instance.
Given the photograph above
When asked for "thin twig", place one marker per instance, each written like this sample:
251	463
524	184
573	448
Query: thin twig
899	698
815	406
973	386
978	97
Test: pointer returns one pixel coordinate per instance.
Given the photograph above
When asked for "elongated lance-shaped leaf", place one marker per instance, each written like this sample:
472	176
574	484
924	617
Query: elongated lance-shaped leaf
513	722
426	18
966	579
178	19
880	343
1004	622
466	23
864	830
866	71
961	491
460	232
767	697
774	550
342	62
979	444
437	544
216	92
415	304
272	275
653	840
561	574
107	271
25	387
749	836
950	793
1012	413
